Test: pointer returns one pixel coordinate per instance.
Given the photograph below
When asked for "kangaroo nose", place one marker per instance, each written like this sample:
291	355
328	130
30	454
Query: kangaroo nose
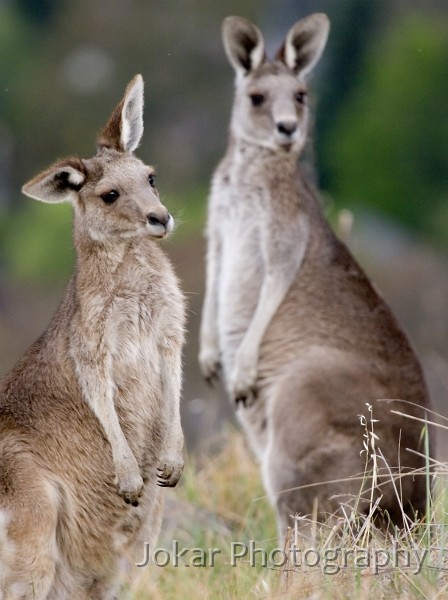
287	127
154	219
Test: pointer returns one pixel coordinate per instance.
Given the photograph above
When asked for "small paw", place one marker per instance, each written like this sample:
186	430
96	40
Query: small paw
210	365
243	385
169	472
247	398
130	486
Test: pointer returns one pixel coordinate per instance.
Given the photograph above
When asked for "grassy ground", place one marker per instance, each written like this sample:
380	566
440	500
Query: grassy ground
221	501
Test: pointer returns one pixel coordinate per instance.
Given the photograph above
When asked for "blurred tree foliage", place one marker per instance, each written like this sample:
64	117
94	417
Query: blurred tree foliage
38	242
37	12
381	127
388	148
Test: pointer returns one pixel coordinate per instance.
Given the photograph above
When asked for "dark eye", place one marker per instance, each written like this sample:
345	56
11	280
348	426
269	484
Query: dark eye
300	97
257	99
151	180
109	197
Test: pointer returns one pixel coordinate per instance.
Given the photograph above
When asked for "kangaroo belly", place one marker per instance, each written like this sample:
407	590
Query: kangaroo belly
137	355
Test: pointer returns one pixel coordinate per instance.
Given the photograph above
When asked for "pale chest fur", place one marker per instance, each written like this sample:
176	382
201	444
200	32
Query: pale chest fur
236	205
136	321
258	217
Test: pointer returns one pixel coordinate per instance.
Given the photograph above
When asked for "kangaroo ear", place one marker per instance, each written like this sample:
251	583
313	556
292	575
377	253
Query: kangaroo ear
305	43
243	43
59	182
125	126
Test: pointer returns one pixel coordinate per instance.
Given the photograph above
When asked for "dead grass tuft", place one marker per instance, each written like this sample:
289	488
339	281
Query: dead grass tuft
221	501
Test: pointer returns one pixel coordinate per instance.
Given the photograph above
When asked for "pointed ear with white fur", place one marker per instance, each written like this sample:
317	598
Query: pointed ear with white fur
59	183
243	43
124	129
305	43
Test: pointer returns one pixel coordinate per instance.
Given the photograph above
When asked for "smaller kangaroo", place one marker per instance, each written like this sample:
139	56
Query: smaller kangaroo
89	417
303	338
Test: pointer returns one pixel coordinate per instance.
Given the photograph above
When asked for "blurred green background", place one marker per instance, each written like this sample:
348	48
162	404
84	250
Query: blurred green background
378	146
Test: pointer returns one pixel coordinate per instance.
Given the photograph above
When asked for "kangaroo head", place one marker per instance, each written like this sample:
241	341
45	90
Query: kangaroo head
113	193
270	107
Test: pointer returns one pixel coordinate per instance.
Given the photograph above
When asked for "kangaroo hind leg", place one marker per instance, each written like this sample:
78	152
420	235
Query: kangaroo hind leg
28	546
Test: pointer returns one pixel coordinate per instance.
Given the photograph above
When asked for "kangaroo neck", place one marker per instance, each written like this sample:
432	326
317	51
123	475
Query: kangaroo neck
247	154
98	263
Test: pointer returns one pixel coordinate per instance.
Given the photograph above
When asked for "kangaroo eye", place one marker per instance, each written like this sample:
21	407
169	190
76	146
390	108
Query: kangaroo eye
257	99
300	97
109	197
151	180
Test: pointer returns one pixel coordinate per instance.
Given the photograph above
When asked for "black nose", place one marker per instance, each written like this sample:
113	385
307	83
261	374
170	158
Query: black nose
287	127
154	219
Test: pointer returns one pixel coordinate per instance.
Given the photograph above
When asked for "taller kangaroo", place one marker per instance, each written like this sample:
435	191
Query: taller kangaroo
303	338
89	417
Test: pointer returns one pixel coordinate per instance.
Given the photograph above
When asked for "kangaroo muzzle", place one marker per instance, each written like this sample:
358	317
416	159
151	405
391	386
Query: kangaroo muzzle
160	224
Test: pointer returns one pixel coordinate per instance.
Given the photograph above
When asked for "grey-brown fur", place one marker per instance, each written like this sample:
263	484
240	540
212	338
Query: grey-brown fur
303	338
89	417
